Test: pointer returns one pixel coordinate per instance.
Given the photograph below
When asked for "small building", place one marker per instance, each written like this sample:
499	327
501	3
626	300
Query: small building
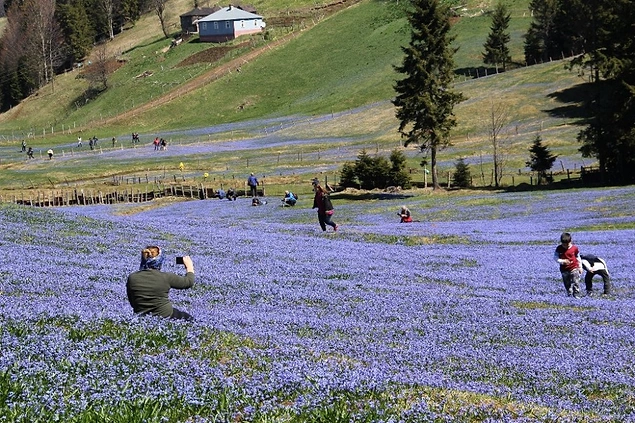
228	23
188	19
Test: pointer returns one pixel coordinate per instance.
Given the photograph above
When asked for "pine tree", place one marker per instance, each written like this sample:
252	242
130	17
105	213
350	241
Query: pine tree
75	24
347	176
610	136
462	177
424	100
541	38
398	173
496	50
540	159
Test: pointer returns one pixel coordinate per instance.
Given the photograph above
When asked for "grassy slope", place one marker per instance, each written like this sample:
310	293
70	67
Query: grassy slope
323	70
344	62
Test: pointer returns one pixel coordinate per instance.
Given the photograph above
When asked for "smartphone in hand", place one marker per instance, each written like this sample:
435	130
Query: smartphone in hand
179	260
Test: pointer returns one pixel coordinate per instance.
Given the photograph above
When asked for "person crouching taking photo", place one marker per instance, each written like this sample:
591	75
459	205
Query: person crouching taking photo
148	288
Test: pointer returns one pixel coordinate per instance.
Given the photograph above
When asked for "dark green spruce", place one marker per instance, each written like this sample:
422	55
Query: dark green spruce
425	100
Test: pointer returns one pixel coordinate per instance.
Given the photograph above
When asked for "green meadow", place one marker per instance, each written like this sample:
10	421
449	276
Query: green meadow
338	66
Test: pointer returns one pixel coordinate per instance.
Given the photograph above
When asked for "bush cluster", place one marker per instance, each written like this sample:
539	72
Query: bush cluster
376	172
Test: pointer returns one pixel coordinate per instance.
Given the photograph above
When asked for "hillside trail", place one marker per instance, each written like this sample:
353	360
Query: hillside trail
201	80
224	69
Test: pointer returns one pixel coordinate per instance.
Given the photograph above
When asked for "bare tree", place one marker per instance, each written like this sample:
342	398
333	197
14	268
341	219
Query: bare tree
159	9
108	7
13	43
45	39
97	72
498	119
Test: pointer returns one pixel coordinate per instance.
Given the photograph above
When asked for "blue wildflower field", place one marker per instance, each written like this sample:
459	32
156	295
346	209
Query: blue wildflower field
459	317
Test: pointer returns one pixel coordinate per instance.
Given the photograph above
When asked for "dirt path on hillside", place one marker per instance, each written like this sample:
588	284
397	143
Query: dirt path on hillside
222	70
201	80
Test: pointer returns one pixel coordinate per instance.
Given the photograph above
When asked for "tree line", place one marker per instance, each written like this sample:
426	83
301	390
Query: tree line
598	33
45	37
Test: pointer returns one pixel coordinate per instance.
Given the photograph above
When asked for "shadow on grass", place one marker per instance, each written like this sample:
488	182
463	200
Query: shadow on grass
575	102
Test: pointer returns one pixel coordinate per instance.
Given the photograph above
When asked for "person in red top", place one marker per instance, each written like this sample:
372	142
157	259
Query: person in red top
568	257
404	214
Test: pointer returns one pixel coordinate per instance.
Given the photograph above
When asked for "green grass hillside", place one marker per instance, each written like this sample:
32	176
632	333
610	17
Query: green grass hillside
343	62
338	66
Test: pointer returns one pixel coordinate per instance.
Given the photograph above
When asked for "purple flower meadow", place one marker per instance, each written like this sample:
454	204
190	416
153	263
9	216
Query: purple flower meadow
459	316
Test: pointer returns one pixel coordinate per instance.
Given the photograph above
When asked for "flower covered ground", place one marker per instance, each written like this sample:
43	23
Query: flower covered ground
458	317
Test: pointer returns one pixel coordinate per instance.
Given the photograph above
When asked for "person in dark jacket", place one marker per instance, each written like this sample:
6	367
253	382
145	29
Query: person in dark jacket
322	203
594	265
148	288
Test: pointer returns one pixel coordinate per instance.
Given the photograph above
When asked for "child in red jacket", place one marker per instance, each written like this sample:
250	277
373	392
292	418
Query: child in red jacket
568	257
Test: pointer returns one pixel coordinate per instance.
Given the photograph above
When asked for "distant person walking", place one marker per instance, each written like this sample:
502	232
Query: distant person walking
23	146
253	183
50	153
79	142
325	209
29	153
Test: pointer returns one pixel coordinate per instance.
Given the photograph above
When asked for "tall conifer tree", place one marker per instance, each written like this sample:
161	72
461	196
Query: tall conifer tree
610	136
496	49
424	99
541	40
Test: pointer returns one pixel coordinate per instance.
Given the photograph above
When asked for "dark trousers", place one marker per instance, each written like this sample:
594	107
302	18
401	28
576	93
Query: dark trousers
325	219
588	280
180	315
254	191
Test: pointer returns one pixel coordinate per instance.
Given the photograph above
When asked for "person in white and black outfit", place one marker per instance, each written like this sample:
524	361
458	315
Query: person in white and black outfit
595	266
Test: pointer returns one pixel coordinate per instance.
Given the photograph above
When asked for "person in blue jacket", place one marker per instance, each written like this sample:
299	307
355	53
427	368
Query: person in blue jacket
252	181
289	199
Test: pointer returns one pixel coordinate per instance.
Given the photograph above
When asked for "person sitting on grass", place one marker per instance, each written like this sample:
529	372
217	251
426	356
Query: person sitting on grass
289	199
404	214
148	288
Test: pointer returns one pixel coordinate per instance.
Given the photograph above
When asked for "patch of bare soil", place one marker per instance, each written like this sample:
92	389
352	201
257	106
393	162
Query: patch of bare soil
150	205
219	71
210	55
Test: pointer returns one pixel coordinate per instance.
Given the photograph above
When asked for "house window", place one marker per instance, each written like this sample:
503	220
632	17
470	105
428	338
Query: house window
215	25
204	25
242	24
227	24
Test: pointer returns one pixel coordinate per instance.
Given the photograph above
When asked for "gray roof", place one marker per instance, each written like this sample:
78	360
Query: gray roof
201	11
231	13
